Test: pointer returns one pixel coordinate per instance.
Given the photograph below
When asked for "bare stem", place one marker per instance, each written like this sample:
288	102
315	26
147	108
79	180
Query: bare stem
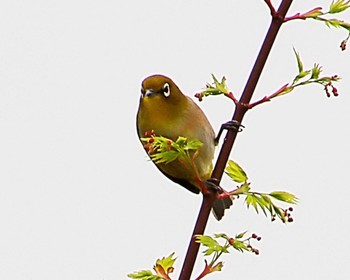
240	110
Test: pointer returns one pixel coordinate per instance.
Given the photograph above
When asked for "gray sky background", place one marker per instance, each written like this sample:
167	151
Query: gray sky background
78	197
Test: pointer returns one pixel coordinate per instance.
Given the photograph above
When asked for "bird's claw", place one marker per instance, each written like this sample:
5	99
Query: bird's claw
230	125
223	199
233	124
212	185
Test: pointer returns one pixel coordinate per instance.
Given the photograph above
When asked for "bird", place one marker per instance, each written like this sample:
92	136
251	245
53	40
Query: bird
166	111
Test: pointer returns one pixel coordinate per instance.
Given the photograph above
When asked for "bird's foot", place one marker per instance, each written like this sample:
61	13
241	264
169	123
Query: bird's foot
230	125
223	198
213	186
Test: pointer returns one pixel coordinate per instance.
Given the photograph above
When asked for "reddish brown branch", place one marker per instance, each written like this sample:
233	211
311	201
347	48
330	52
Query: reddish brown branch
238	115
271	7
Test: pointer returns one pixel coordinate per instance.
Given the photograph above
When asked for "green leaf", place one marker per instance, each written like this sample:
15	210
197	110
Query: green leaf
300	64
333	23
165	157
235	172
338	6
316	71
239	246
279	213
241	235
262	203
314	13
221	235
166	262
286	90
165	150
284	196
243	189
266	198
206	240
193	145
301	75
181	141
212	244
144	275
217	267
251	200
220	86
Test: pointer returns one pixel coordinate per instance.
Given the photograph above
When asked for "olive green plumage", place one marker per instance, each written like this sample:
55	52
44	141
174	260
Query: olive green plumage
166	110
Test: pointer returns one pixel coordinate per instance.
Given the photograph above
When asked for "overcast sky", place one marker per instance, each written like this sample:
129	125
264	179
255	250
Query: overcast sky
78	197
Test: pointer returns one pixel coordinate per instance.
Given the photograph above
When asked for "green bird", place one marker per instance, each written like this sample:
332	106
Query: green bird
165	110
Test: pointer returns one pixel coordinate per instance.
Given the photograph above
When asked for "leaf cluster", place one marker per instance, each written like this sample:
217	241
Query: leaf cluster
303	78
162	269
318	14
335	7
263	201
310	76
215	246
165	150
215	88
220	244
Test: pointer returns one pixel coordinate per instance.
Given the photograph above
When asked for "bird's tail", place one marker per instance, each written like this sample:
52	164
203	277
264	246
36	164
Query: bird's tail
220	205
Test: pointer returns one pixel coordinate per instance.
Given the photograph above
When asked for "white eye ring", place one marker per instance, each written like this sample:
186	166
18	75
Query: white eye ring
166	90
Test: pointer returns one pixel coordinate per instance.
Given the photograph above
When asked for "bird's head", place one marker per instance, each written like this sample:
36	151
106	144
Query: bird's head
160	89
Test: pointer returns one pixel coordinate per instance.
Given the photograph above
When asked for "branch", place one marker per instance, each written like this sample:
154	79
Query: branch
271	7
225	151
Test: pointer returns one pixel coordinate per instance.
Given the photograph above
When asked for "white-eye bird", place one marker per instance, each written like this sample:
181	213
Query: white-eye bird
165	110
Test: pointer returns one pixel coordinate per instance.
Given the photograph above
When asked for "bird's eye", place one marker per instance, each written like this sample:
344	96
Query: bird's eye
166	90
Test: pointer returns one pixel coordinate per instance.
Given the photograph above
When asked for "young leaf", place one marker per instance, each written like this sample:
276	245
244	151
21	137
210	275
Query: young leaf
338	6
240	235
243	189
286	90
217	267
314	13
235	172
239	246
165	157
262	203
221	235
284	196
316	71
251	200
220	86
300	64
301	75
333	23
193	145
144	275
211	243
167	263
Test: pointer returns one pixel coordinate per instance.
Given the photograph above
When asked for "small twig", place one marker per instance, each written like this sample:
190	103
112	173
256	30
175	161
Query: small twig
267	98
232	97
271	7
